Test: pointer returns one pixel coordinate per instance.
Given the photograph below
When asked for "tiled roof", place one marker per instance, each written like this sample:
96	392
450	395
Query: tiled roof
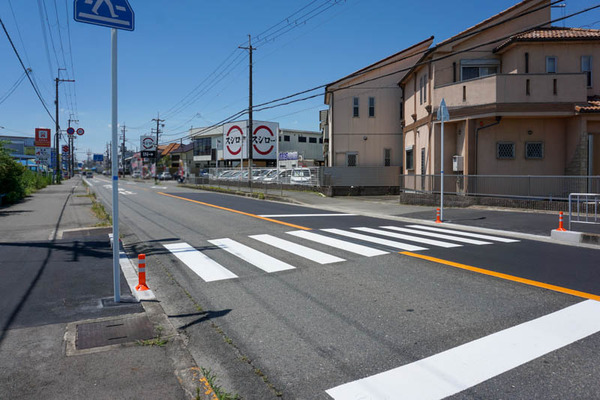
552	34
593	107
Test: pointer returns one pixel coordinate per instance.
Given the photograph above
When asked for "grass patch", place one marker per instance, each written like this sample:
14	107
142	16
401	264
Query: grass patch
212	388
157	341
100	212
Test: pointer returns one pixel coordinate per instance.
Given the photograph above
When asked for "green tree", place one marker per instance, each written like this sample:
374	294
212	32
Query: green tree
11	177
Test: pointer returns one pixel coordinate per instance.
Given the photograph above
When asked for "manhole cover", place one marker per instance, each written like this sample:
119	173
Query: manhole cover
115	331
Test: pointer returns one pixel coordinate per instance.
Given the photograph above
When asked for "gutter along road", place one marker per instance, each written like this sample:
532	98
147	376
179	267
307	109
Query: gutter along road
301	303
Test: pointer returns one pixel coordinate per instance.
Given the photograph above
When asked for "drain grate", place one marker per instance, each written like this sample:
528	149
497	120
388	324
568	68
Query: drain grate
114	331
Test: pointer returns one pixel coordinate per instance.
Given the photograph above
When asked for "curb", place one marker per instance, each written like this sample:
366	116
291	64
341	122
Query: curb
131	276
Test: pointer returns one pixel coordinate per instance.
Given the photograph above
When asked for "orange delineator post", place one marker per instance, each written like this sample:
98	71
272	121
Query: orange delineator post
560	222
141	273
437	217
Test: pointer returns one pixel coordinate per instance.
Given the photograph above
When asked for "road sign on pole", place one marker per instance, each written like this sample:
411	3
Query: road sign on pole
116	14
80	131
442	115
70	131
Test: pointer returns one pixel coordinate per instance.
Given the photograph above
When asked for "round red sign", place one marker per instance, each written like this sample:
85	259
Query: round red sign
261	140
234	140
80	131
71	131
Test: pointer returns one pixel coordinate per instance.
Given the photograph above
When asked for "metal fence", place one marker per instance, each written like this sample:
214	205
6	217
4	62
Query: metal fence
262	178
583	208
534	187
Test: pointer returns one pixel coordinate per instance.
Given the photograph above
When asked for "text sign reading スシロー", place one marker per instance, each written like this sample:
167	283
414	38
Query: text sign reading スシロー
264	140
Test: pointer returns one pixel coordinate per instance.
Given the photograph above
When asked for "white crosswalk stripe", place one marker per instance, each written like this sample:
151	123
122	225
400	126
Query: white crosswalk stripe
385	242
438	235
462	233
198	262
261	260
297	249
430	242
209	270
339	244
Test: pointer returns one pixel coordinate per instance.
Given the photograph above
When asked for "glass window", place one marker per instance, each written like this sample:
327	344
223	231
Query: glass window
551	65
387	157
425	88
301	139
371	106
410	164
534	150
471	69
286	138
421	90
312	140
355	107
320	140
505	150
586	66
202	147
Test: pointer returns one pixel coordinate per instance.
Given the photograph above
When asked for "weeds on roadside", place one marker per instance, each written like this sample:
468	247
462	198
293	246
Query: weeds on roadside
157	341
211	386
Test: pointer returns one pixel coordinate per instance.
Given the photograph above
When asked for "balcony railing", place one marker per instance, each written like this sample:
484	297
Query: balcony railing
514	88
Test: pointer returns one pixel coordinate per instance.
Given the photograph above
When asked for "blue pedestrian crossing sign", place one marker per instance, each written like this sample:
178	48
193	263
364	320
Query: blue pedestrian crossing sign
116	14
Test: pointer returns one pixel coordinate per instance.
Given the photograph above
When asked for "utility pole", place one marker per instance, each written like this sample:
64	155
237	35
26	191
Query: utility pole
72	150
57	176
123	151
250	127
158	121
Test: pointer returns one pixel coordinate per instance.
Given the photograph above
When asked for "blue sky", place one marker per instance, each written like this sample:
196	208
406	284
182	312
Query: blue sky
182	45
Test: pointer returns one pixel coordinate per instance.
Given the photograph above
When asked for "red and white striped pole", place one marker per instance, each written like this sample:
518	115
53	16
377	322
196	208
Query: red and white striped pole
560	222
437	217
141	273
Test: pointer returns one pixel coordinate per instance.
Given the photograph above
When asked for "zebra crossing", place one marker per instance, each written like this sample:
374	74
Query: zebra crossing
362	241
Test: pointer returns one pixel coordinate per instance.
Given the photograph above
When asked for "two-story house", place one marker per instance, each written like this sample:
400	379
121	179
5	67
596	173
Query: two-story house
364	120
521	95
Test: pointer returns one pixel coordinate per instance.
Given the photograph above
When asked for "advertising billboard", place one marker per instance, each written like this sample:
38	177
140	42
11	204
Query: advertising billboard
264	140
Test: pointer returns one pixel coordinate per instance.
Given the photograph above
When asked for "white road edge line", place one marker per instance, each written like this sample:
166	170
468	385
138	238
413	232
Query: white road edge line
202	265
462	367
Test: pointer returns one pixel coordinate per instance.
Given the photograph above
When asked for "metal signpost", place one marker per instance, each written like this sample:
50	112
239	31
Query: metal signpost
115	14
442	115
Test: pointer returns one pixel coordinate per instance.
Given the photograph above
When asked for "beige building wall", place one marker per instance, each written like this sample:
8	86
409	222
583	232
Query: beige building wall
367	137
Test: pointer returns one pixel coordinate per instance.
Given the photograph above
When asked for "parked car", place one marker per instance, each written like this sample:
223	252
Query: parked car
89	174
300	176
136	175
283	176
165	176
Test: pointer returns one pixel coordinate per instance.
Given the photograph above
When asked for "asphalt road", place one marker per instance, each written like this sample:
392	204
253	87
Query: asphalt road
302	328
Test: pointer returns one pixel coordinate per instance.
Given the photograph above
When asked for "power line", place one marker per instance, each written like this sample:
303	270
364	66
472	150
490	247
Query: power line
14	87
26	70
262	107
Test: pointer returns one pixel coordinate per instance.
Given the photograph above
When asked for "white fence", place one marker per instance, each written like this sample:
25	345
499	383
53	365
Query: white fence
583	208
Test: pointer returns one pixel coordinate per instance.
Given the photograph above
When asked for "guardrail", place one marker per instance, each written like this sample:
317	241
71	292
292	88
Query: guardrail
586	210
531	187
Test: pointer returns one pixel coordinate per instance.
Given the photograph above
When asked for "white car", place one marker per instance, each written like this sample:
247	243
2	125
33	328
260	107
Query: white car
300	176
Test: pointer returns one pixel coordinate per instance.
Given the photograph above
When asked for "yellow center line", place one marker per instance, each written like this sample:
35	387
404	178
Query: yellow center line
238	212
505	276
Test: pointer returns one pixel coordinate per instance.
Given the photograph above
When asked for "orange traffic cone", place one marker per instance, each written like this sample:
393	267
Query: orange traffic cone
142	273
437	217
560	222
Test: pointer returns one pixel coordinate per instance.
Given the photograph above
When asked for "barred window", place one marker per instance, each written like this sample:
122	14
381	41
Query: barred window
505	150
534	150
351	159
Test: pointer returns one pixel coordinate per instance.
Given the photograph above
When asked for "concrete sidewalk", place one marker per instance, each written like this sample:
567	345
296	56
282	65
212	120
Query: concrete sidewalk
62	336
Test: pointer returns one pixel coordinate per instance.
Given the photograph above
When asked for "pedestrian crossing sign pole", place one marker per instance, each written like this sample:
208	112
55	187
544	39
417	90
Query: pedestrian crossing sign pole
114	14
442	115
